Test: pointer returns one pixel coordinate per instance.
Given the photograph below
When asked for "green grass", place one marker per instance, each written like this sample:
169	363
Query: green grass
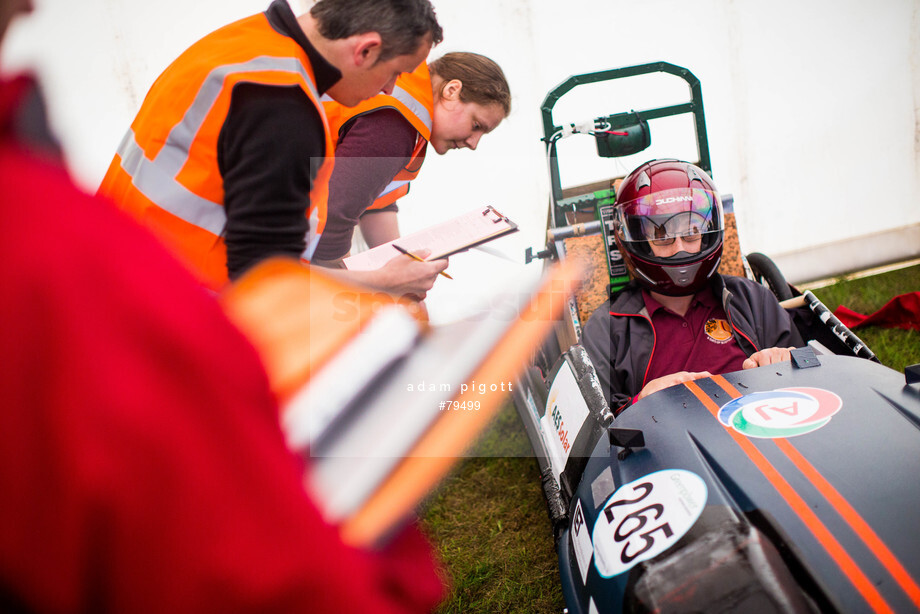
489	521
490	526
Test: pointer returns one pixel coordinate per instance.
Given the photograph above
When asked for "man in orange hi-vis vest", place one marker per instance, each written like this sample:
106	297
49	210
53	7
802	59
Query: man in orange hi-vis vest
229	157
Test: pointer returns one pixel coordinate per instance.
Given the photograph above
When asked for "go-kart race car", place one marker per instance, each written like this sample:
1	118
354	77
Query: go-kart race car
786	488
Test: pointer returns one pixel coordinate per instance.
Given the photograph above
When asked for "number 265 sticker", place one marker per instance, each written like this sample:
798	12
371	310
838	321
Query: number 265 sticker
645	517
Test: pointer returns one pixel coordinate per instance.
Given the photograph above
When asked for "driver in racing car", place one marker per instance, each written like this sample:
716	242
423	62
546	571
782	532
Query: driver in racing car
678	319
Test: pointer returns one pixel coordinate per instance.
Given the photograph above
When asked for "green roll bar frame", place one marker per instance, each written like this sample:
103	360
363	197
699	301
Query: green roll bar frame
622	120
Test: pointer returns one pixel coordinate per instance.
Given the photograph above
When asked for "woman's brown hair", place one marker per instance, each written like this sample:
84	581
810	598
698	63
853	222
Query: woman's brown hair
483	80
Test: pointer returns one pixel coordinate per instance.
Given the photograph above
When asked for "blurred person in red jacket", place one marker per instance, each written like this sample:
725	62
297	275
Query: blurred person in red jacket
142	467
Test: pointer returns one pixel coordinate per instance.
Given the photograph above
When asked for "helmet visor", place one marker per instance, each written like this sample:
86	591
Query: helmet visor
693	215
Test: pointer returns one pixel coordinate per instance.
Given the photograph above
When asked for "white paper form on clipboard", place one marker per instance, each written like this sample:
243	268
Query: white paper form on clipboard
478	226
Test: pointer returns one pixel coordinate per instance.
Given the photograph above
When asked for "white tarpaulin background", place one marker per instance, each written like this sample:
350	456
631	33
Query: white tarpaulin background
812	111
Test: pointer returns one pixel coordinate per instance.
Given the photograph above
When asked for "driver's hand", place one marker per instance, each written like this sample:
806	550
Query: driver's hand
766	357
667	381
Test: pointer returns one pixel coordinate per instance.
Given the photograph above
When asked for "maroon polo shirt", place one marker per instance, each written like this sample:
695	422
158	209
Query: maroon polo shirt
701	340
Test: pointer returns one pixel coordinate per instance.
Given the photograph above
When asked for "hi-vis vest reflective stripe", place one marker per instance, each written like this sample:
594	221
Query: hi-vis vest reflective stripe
413	98
165	172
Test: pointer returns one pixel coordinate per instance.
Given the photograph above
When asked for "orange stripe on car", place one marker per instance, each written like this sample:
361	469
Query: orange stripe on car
856	522
847	565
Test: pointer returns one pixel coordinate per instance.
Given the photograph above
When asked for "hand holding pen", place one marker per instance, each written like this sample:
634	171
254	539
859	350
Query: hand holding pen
402	250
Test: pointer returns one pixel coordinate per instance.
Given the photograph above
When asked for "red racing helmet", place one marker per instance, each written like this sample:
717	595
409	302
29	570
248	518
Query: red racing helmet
669	226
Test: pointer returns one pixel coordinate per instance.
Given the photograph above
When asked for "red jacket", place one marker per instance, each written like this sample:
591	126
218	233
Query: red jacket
142	467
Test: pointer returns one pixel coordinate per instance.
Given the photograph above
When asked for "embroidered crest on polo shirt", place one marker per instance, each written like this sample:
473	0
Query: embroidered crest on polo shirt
718	330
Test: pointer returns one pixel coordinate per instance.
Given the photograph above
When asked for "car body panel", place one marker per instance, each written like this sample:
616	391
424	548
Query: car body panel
842	499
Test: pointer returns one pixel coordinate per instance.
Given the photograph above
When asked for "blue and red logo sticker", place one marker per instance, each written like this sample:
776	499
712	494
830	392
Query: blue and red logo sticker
786	412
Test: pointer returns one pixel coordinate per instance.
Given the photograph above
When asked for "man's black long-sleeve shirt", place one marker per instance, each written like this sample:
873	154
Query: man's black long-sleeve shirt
268	152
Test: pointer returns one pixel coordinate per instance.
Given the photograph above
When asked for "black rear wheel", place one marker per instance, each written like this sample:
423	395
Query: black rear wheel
766	273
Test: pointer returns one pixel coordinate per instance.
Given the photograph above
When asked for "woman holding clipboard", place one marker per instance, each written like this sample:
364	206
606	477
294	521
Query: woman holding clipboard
381	144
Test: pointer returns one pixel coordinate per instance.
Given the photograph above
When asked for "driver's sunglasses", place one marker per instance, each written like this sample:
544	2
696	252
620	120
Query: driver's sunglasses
692	236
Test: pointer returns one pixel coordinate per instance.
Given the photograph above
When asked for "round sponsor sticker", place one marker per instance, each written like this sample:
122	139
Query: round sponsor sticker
645	517
786	412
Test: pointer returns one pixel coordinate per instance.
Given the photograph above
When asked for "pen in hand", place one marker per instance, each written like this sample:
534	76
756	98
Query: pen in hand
414	257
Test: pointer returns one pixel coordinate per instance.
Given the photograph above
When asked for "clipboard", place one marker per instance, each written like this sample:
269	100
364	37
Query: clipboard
459	234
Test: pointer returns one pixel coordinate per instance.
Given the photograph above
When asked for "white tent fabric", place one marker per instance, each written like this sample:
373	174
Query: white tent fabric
813	112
